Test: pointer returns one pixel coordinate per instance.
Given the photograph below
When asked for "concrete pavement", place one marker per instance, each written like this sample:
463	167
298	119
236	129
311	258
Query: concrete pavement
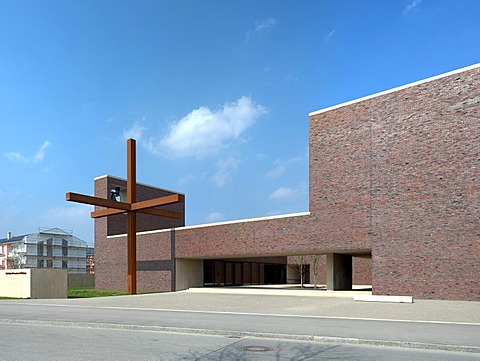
287	301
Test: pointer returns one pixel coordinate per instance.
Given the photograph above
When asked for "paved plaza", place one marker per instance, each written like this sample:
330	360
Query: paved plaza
287	301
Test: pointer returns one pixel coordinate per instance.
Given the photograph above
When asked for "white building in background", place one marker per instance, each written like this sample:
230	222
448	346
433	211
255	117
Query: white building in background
49	248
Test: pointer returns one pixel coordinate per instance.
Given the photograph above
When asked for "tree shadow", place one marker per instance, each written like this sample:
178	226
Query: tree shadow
271	349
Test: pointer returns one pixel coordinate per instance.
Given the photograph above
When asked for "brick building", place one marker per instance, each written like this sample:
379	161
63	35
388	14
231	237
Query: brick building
394	202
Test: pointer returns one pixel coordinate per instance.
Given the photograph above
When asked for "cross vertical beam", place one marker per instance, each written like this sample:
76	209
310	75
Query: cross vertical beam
132	252
131	207
131	218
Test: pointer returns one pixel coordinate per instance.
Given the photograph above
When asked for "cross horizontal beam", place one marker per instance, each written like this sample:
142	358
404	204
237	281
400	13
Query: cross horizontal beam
146	207
152	211
161	213
106	212
95	201
151	203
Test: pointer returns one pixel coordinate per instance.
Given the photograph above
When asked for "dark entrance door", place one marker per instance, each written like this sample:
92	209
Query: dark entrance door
230	273
275	274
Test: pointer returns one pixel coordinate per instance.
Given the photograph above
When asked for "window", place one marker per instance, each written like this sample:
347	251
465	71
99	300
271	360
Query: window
40	248
40	263
49	263
49	248
64	264
64	247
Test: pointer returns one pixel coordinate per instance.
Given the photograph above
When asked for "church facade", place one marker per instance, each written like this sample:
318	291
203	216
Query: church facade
394	202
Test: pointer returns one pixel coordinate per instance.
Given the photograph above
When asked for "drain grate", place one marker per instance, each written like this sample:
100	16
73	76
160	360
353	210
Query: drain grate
257	348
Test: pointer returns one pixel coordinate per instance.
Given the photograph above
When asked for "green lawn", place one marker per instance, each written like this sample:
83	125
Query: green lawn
92	292
84	292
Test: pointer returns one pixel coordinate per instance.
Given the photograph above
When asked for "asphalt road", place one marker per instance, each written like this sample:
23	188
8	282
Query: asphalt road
127	333
43	342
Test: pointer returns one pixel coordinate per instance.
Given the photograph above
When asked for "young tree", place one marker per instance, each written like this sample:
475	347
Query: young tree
314	261
301	266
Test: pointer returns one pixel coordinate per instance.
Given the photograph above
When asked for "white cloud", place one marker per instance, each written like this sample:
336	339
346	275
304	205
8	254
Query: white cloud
265	24
281	167
16	157
204	132
135	132
283	193
224	168
413	4
277	171
328	36
276	212
214	217
39	156
261	26
289	193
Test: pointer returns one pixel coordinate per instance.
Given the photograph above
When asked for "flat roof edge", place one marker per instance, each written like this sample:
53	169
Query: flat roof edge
247	220
265	218
139	183
392	90
104	176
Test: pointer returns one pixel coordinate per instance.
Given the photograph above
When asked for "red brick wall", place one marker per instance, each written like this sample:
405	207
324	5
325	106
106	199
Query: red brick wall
340	180
261	238
401	170
362	271
154	265
396	175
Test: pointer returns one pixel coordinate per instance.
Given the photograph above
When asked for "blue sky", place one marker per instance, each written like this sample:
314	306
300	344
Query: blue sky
217	94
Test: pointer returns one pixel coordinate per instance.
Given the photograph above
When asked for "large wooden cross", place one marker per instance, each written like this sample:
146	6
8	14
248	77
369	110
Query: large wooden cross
131	207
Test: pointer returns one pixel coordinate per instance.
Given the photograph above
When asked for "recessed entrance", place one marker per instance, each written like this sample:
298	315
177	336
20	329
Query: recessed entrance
334	271
238	273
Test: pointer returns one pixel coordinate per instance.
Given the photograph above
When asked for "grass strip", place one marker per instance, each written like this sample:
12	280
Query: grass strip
88	292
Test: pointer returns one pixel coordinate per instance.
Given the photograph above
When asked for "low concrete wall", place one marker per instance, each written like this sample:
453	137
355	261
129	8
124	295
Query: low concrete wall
49	283
33	283
15	283
189	273
81	280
